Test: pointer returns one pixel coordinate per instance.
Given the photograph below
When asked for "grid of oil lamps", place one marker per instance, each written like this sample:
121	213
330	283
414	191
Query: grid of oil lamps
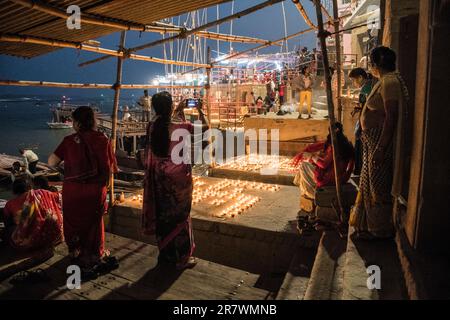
229	194
255	162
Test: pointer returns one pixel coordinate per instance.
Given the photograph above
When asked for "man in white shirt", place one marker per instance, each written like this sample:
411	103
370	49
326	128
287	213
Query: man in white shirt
146	104
18	171
30	159
126	114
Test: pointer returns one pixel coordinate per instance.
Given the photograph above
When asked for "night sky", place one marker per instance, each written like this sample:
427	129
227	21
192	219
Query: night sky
62	65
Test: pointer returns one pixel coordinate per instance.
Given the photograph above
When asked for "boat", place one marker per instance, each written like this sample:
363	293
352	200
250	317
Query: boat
6	163
60	125
62	115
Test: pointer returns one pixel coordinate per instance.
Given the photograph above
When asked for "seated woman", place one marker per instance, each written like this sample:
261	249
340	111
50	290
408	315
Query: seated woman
33	218
316	165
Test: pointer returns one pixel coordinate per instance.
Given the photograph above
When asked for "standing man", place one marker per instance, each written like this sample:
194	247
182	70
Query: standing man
30	159
146	104
306	83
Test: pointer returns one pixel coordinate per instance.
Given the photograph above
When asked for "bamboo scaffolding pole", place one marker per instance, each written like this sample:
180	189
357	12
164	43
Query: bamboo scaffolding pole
158	27
240	53
329	17
89	19
25	83
302	11
212	35
186	33
271	43
338	59
322	35
228	38
85	47
120	61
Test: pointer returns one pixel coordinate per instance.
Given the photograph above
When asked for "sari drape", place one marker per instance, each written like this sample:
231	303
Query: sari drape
373	210
88	163
39	222
167	203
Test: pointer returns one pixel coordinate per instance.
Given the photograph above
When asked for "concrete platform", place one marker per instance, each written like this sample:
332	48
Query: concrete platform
290	128
272	211
267	169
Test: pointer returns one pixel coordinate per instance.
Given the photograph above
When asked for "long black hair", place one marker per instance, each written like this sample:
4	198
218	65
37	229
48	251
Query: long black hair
85	117
159	137
345	147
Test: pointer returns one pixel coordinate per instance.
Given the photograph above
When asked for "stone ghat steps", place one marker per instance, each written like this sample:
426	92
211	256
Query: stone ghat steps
340	271
136	278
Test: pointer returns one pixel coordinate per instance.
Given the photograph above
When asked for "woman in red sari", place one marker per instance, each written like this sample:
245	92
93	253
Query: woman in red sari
33	218
316	164
168	183
88	163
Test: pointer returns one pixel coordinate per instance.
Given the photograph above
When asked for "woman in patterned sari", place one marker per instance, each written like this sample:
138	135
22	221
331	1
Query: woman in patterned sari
381	122
33	218
168	183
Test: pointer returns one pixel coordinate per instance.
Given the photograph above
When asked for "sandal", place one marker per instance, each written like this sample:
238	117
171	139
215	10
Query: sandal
191	262
106	265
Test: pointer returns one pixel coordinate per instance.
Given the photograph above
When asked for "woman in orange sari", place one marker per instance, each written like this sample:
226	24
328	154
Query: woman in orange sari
88	163
168	184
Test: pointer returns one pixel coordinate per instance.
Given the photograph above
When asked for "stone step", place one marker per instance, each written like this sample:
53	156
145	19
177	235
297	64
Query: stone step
326	275
361	254
297	278
138	278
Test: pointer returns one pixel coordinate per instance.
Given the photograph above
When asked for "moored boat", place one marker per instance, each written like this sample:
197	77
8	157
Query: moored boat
60	125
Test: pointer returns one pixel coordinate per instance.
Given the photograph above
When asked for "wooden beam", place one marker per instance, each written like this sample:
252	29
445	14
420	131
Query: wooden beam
200	28
25	83
322	35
